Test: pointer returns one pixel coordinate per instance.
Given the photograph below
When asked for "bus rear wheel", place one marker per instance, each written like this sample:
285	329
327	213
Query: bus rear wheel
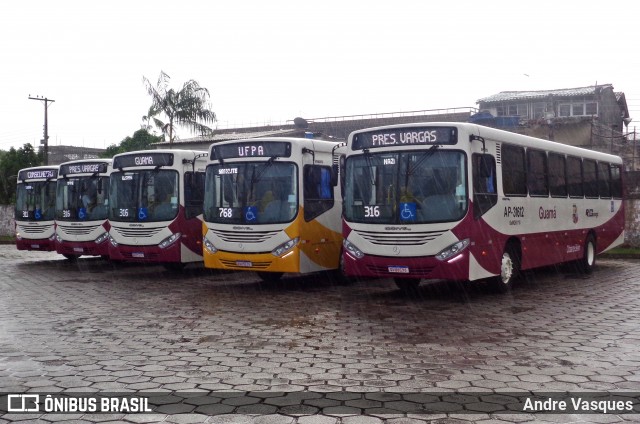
588	261
269	277
509	269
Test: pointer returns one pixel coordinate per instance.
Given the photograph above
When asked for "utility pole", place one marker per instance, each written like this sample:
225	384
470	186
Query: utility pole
45	140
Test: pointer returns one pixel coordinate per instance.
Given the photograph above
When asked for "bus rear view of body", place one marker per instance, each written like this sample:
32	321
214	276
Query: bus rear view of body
82	202
155	207
272	207
35	208
459	201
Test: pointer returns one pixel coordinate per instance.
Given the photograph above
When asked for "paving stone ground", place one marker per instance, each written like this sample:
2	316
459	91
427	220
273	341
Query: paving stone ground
309	351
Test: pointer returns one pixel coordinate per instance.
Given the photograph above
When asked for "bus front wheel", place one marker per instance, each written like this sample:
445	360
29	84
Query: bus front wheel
509	269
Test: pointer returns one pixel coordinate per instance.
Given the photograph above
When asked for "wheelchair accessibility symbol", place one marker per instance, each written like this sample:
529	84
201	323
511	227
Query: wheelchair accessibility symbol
142	214
82	213
250	213
407	211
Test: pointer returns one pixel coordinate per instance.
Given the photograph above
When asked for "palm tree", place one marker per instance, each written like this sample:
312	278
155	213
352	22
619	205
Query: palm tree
187	107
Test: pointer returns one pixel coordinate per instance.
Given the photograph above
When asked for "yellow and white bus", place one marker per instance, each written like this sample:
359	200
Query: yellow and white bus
271	206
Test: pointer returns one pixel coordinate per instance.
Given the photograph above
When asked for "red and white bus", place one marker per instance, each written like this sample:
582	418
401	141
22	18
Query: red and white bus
35	208
82	202
271	206
155	207
460	201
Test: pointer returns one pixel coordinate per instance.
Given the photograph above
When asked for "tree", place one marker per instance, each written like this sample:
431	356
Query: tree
187	107
10	163
141	140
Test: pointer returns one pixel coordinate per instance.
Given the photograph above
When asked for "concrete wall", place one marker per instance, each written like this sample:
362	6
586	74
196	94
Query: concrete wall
7	223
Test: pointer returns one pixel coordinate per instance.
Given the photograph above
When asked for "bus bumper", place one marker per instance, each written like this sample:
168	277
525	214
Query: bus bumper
79	248
258	262
147	254
47	245
428	267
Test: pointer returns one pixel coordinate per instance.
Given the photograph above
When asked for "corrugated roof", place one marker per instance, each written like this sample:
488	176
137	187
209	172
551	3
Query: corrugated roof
562	92
223	136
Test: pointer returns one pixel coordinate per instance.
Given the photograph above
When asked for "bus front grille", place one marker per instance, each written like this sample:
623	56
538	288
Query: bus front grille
136	232
77	231
41	229
417	238
254	265
244	236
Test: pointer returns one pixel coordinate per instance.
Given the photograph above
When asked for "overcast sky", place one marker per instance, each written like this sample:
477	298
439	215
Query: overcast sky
271	61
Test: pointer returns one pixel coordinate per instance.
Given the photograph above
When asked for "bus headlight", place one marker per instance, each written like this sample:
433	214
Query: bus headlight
18	236
102	238
58	238
352	249
113	242
169	240
453	250
280	250
208	245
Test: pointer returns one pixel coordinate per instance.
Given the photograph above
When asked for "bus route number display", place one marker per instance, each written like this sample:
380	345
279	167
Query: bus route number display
405	137
252	149
143	159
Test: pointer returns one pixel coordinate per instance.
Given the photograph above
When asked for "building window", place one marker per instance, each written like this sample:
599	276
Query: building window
578	109
539	110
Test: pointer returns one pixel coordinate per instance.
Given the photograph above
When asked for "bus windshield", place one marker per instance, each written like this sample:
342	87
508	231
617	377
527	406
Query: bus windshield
82	198
251	193
406	187
143	196
35	201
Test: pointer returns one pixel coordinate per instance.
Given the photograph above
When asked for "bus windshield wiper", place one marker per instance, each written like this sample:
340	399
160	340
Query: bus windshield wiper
412	168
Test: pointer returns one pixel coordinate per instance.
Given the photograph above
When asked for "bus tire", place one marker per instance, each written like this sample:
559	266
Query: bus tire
588	261
509	269
407	285
269	277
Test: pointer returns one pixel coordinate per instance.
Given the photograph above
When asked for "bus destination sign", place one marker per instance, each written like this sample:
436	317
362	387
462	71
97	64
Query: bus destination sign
83	168
36	174
143	159
405	136
252	149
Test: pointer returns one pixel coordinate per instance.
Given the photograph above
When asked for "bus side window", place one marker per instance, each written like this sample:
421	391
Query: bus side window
485	195
590	178
616	182
557	175
604	180
537	173
318	191
514	179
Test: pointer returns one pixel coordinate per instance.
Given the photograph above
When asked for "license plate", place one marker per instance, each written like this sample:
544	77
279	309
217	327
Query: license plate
78	249
35	246
138	254
398	269
247	264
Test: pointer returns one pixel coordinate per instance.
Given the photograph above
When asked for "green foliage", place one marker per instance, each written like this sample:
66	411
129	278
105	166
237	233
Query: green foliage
187	107
10	163
141	140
